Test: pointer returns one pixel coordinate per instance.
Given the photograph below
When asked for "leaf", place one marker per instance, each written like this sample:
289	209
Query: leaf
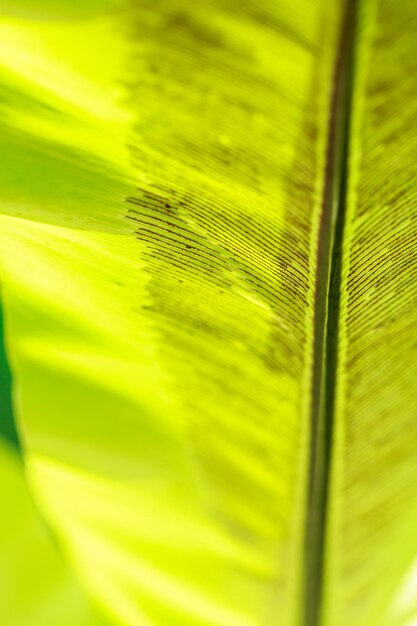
29	596
189	192
372	536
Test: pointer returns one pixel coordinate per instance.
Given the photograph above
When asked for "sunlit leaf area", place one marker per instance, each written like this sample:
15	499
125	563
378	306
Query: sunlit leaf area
208	313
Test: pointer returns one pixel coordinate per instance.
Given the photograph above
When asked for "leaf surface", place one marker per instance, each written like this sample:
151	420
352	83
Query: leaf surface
163	207
29	596
372	536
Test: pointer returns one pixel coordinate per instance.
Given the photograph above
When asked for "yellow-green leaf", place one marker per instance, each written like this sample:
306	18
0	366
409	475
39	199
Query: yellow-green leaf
36	585
189	191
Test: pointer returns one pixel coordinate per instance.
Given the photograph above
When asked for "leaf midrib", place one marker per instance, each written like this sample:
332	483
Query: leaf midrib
326	315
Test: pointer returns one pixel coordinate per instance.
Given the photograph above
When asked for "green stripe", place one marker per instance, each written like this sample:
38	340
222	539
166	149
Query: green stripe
8	428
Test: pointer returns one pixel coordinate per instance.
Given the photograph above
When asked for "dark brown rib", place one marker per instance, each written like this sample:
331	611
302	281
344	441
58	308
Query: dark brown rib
329	263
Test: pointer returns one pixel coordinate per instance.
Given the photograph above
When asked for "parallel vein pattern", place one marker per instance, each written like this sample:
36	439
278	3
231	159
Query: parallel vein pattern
373	542
236	245
162	346
159	226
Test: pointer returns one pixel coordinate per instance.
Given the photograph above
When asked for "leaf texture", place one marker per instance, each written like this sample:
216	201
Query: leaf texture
163	345
373	540
161	209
